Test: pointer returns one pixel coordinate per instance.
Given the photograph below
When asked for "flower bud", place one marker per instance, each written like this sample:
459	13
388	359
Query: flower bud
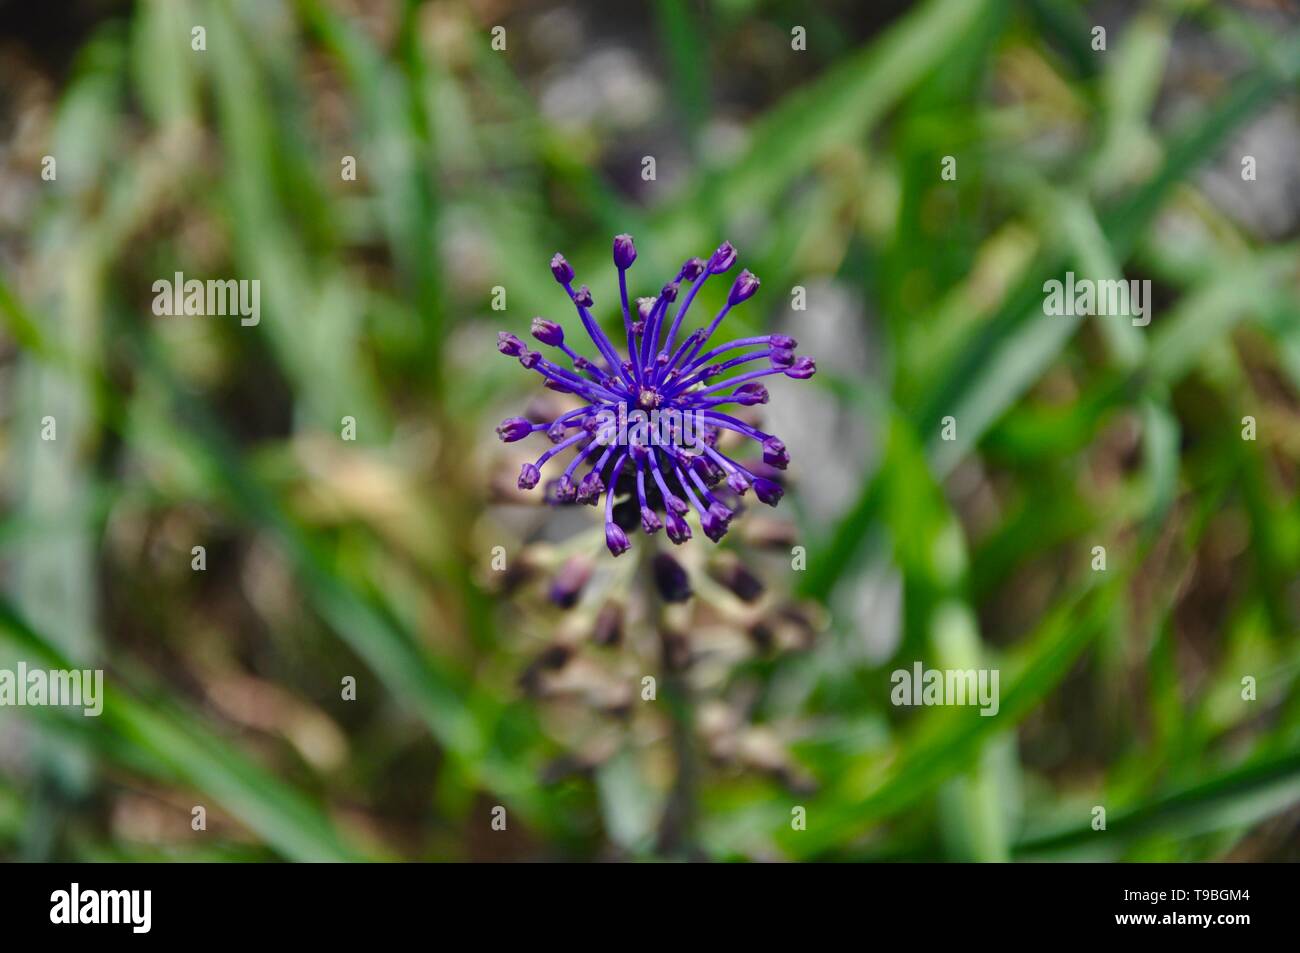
509	345
767	491
744	287
514	428
650	521
775	454
591	487
561	269
616	539
671	579
568	583
678	529
802	369
548	332
713	527
734	575
692	268
722	259
624	251
608	627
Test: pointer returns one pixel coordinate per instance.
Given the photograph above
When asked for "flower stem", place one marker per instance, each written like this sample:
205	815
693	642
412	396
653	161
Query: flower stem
676	825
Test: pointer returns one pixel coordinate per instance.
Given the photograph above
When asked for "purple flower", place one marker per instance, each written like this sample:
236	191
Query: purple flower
664	368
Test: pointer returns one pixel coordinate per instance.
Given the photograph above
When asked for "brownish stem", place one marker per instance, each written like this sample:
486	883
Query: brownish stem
676	825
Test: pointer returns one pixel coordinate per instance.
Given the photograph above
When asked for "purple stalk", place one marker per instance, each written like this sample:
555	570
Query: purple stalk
596	334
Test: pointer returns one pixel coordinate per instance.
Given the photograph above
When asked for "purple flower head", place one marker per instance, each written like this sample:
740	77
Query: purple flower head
678	471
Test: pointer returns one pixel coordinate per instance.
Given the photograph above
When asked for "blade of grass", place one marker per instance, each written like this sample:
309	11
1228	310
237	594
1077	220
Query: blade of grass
946	744
1010	349
838	108
1238	796
161	734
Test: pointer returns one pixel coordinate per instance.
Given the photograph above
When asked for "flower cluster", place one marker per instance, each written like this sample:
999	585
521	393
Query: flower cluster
659	374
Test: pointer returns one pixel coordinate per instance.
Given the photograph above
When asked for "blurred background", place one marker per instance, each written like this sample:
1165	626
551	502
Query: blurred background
476	688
